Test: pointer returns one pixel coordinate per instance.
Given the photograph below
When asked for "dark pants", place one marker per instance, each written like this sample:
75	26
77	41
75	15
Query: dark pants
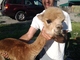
67	41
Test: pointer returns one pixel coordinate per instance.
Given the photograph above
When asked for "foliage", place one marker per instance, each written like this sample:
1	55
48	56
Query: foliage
14	30
75	29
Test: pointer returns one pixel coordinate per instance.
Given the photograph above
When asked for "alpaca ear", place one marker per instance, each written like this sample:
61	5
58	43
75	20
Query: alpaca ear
61	17
40	16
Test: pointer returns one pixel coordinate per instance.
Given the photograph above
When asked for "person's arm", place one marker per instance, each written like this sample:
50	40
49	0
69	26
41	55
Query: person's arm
29	34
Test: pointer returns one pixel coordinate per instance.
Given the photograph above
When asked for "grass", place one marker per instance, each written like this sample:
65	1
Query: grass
14	30
75	29
18	29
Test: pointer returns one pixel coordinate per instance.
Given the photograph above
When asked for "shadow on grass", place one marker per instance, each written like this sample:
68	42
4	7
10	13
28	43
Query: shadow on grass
14	30
73	50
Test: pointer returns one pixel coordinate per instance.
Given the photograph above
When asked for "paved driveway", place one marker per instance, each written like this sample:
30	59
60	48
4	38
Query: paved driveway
8	20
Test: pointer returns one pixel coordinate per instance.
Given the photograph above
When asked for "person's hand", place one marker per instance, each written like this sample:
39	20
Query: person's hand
5	55
45	35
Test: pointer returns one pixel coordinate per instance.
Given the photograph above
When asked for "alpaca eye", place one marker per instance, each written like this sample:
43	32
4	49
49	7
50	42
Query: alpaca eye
49	21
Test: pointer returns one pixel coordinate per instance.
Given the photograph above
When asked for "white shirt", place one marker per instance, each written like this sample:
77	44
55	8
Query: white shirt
54	49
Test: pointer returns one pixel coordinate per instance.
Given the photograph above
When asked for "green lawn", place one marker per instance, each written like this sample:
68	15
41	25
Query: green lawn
17	30
75	29
14	30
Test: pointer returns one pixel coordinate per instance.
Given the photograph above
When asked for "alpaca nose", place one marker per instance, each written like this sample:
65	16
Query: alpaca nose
59	26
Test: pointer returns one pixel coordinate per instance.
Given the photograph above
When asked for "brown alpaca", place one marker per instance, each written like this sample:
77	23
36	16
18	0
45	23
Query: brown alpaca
18	50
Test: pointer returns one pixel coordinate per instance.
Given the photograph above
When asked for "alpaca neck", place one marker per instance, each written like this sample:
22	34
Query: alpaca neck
38	44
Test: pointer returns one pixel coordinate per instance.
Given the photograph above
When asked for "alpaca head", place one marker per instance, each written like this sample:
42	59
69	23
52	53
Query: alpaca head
52	19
